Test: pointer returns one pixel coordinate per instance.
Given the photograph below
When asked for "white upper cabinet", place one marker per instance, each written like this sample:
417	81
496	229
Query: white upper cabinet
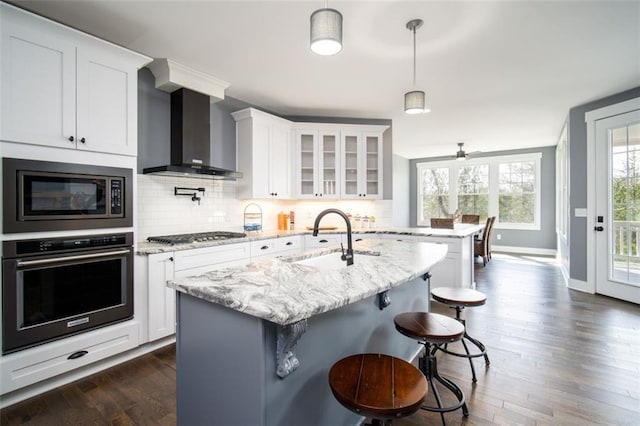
65	89
317	163
338	161
361	156
263	143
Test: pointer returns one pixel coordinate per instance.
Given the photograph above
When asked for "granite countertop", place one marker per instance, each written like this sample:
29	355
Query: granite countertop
460	231
284	292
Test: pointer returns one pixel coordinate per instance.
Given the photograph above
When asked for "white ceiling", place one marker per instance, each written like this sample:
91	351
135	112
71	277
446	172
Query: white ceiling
498	75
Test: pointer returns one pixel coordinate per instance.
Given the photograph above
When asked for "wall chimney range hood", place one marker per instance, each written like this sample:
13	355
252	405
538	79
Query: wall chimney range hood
190	132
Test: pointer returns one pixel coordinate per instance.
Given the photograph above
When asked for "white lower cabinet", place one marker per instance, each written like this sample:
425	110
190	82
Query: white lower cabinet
162	267
324	240
161	299
33	365
270	248
201	260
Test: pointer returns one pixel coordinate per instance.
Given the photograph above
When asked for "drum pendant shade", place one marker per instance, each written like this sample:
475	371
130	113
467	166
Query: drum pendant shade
326	31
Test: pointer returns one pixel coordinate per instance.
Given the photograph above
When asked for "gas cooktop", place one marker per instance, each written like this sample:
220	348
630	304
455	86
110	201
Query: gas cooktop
196	237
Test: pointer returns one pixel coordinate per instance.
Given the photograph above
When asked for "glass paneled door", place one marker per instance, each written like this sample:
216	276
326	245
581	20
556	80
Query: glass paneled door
617	222
329	170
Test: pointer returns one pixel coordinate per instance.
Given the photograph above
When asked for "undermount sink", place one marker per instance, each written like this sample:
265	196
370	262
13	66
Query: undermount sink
332	261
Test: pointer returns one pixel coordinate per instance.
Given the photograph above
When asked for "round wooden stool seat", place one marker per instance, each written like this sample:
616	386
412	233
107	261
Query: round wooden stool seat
458	299
377	385
458	296
433	328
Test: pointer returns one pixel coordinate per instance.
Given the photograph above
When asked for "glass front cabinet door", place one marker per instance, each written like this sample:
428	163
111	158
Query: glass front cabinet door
361	165
306	149
318	164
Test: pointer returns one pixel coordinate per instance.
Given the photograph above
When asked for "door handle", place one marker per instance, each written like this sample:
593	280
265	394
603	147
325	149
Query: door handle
599	228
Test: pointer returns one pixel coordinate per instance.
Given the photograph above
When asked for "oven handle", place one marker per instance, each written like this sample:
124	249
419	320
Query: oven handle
26	263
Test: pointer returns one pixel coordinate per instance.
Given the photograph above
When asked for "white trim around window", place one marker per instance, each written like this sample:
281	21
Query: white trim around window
494	164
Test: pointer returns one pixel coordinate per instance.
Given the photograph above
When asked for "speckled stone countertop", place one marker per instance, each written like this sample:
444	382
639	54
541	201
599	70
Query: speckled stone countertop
460	231
284	292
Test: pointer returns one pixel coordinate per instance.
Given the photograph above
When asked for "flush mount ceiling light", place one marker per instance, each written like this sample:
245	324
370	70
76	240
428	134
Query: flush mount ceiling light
326	31
414	101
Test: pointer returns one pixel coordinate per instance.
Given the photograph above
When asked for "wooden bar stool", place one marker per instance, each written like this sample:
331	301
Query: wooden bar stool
379	386
431	330
458	299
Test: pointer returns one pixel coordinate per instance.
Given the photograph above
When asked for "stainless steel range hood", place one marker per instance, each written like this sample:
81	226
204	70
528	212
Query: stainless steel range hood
190	139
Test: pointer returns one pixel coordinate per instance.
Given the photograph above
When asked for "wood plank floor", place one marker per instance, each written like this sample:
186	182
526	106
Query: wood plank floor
558	357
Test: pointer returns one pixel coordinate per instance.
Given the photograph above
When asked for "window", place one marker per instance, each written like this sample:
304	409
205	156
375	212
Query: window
507	187
434	192
517	195
473	190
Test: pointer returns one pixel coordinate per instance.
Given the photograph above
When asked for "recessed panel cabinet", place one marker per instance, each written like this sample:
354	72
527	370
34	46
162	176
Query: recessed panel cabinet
162	300
65	89
263	143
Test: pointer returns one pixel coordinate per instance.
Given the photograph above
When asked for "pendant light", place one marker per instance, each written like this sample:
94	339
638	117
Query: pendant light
326	31
414	101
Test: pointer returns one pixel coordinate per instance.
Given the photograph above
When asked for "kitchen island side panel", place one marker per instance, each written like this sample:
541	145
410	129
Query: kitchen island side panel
220	365
304	397
227	360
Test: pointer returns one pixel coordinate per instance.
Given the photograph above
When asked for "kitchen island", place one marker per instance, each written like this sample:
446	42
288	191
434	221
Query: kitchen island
255	343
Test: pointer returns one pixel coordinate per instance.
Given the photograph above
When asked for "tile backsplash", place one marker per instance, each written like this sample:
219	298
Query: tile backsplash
160	212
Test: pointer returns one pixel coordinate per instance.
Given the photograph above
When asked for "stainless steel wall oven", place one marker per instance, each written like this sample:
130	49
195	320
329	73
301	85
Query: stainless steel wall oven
50	196
55	287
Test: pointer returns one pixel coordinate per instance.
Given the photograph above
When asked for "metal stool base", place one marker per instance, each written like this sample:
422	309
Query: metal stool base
467	354
428	364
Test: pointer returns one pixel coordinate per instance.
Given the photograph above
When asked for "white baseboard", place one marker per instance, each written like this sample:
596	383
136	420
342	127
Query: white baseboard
523	250
580	285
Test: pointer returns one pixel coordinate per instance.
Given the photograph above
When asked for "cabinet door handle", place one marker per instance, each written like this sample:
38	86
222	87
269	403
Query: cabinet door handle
323	241
71	138
264	247
83	140
171	259
77	355
289	243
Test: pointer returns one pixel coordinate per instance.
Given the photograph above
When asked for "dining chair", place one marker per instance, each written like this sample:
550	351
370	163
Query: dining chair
442	222
471	218
482	246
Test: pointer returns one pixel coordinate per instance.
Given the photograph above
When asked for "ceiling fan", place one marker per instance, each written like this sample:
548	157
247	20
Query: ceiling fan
461	154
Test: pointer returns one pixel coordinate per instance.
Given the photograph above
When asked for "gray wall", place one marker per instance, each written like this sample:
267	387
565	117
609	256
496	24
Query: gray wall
545	238
401	187
154	122
154	126
577	144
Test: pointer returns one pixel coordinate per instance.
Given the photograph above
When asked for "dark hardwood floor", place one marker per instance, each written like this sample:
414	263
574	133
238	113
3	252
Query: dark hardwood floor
558	357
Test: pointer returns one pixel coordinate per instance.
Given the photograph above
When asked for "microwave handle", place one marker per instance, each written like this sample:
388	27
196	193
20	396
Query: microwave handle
26	263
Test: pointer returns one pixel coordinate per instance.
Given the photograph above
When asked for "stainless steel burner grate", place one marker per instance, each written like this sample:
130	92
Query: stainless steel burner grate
196	237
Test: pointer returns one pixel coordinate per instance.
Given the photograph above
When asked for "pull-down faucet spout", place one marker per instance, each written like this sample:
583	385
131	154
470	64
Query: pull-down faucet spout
348	256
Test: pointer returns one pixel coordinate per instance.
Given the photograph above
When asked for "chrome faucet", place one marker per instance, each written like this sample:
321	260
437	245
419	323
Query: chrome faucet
348	256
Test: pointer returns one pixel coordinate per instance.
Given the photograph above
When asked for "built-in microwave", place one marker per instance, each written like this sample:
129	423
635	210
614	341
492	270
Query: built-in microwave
51	196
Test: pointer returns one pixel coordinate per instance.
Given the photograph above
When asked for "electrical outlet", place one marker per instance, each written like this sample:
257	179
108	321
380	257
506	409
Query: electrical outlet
499	237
